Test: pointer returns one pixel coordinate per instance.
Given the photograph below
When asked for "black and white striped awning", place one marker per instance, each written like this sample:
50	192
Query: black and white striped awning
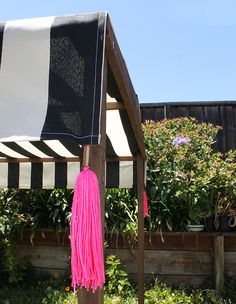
50	103
49	175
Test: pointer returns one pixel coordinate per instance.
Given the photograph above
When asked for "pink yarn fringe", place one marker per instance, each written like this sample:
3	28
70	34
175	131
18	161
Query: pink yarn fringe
87	262
145	204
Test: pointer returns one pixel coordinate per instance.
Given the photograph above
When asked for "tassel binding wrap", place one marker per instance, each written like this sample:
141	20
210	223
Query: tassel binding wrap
87	262
145	204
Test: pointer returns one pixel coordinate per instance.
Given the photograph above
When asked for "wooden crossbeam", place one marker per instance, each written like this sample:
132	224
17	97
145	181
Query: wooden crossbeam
115	106
62	159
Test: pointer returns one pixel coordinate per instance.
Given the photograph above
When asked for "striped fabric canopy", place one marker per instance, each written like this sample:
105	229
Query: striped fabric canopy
50	97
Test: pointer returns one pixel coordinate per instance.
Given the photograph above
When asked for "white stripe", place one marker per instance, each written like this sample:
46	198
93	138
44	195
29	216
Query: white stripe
58	148
32	149
25	176
3	175
126	174
10	152
24	78
48	175
116	133
73	169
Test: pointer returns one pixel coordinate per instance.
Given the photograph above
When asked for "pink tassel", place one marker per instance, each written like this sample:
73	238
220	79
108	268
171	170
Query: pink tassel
87	262
145	204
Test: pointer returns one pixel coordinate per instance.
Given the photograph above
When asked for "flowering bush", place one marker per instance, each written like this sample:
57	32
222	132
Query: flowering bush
185	177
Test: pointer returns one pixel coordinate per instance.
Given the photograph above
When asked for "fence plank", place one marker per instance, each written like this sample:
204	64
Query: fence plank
44	256
230	265
184	258
168	262
180	242
219	262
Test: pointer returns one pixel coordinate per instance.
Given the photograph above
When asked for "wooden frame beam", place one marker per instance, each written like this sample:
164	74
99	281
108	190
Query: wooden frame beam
140	191
95	156
120	72
115	106
62	159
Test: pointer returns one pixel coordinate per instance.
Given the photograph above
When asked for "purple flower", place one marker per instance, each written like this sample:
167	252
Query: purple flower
180	141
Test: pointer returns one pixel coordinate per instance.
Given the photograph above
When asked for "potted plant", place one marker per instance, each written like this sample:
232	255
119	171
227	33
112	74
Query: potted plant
195	222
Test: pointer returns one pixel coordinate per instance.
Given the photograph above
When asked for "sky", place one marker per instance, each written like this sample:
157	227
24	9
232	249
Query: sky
175	50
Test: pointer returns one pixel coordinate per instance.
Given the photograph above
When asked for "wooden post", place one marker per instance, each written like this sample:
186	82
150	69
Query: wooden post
140	190
219	262
95	157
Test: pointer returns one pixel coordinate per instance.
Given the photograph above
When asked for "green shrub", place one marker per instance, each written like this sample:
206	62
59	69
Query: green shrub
121	212
185	177
117	282
39	290
47	290
33	209
161	294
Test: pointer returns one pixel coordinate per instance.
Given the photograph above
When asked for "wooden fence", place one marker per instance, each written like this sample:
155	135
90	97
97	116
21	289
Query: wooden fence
183	258
219	113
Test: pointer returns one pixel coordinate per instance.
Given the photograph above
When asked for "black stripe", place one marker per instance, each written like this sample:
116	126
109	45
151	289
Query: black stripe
2	25
76	49
112	174
60	175
14	146
44	148
72	147
36	175
13	175
4	155
110	152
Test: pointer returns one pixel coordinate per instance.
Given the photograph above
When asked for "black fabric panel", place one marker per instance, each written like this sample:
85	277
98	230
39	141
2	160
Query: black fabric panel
129	132
2	25
4	155
110	152
44	148
14	146
112	88
76	57
13	175
112	174
60	175
36	175
72	147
